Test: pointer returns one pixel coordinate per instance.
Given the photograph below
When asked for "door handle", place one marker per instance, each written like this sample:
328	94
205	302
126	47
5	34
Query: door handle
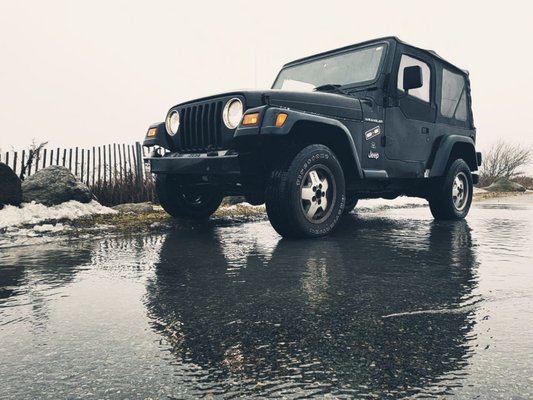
425	130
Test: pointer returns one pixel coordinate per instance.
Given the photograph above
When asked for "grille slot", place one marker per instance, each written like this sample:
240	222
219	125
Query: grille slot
200	128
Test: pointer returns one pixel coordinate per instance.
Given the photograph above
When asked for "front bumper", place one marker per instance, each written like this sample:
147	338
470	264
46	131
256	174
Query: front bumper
196	164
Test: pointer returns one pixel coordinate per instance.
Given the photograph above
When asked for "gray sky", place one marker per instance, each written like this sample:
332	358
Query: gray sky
95	72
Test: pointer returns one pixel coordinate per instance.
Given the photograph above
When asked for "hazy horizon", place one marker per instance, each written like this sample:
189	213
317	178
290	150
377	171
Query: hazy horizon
84	74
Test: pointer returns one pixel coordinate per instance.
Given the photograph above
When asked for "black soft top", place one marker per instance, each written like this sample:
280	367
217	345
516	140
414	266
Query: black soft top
387	39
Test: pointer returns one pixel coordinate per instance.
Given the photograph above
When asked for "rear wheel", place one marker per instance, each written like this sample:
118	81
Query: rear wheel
452	195
186	201
307	198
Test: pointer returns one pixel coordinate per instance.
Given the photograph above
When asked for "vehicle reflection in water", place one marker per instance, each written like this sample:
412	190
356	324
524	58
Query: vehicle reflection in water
386	308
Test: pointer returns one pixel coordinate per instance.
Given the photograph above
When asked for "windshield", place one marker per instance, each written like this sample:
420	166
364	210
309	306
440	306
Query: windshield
349	68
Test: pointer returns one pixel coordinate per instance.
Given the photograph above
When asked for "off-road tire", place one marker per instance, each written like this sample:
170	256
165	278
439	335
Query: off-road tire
177	199
351	203
451	195
289	207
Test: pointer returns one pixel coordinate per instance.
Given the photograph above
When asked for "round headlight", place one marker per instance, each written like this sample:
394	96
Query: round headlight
173	122
232	113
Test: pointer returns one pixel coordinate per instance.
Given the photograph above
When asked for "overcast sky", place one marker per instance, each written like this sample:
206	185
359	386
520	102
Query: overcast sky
95	72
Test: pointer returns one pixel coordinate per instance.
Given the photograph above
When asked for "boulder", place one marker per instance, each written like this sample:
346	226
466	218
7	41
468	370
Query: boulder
10	187
505	185
54	185
134	208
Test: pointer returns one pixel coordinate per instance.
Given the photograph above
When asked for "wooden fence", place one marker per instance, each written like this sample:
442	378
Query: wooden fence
115	173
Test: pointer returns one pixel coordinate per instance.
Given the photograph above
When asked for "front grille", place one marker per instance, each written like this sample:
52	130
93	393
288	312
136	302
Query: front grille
200	127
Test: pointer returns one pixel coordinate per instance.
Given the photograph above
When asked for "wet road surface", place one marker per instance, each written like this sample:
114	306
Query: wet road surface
392	305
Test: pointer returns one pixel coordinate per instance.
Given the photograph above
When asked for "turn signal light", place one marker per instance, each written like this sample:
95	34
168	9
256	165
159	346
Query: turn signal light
250	119
152	132
280	120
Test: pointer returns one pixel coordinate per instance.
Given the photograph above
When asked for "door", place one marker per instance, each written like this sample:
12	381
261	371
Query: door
410	125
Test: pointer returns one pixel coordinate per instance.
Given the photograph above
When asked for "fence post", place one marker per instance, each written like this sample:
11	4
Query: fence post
81	165
76	162
110	164
37	159
119	162
88	165
15	156
22	164
99	165
94	165
44	158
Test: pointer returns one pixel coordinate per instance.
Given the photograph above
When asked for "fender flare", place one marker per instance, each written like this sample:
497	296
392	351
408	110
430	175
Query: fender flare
267	126
442	155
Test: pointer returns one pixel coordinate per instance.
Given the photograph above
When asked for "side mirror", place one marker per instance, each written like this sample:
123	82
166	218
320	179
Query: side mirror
412	77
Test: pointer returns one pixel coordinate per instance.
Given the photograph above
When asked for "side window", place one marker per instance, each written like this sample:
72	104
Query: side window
421	93
453	97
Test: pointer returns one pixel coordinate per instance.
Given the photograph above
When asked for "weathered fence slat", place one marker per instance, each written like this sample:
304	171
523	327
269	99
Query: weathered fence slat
76	162
44	158
88	167
81	165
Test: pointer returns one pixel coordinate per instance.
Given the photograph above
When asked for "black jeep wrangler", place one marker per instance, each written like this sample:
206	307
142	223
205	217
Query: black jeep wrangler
377	119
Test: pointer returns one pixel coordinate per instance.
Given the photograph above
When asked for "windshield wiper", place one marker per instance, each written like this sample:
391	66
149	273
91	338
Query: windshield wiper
333	87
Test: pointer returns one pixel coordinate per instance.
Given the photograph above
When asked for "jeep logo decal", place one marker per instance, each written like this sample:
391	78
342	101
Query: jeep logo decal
373	155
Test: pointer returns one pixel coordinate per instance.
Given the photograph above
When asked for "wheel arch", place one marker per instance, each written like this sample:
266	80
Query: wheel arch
450	148
305	129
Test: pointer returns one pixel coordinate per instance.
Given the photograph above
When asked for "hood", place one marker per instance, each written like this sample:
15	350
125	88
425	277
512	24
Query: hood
323	103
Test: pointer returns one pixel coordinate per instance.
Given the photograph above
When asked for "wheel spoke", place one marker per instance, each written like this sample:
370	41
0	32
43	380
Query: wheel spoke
307	193
315	180
313	208
455	191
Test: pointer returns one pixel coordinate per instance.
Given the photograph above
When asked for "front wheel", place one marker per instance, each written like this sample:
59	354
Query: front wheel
307	198
452	195
351	203
186	201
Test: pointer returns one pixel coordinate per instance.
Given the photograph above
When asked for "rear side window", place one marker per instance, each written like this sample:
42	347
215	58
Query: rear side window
421	93
453	98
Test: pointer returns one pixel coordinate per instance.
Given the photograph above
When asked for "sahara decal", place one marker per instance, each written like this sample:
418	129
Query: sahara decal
373	132
377	121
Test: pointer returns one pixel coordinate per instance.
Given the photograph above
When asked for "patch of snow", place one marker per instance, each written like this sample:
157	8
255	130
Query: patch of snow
399	202
235	207
50	228
32	213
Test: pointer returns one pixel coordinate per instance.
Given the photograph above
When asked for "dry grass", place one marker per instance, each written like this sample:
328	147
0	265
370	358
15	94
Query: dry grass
158	219
123	222
480	196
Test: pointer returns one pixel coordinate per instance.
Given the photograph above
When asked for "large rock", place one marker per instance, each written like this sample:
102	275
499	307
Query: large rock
505	185
54	185
10	187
